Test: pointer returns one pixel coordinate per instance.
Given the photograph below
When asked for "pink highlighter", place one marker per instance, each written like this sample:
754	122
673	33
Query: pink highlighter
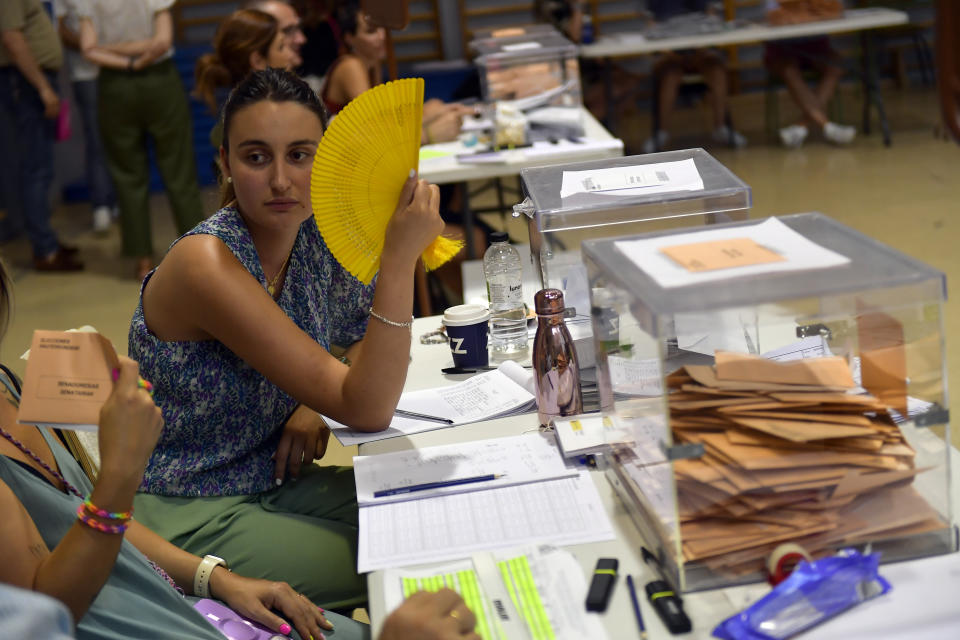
232	625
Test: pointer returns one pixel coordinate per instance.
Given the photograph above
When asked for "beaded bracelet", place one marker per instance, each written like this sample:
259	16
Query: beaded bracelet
93	523
108	515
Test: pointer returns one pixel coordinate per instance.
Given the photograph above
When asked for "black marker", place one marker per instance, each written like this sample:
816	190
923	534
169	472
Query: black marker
601	587
668	606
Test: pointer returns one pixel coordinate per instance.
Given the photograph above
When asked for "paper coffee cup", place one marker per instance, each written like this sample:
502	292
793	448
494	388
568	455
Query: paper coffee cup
467	326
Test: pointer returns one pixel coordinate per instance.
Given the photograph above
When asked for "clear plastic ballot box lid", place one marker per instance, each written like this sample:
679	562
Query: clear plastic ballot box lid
872	265
537	46
553	210
534	30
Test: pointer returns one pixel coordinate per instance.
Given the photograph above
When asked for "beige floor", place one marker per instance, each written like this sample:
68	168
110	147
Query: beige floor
907	196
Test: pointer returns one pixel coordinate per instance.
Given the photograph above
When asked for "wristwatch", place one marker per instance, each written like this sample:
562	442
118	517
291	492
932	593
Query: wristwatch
201	579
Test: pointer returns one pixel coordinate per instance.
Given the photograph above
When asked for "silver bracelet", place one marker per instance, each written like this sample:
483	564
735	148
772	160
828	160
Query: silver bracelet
387	321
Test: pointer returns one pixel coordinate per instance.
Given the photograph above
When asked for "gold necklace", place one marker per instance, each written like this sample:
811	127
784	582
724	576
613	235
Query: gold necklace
272	287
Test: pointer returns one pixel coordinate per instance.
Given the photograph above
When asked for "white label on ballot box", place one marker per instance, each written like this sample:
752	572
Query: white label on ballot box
643	179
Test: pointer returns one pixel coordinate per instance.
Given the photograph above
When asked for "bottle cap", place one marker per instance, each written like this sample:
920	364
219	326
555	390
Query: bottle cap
548	301
499	236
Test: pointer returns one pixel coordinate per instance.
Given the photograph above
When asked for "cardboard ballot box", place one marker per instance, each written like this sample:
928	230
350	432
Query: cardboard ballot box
769	382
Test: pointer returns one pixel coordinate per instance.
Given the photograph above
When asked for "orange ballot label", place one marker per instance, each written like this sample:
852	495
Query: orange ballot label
721	254
68	379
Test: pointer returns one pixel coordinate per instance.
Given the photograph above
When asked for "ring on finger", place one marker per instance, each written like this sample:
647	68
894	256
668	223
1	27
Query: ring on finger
454	614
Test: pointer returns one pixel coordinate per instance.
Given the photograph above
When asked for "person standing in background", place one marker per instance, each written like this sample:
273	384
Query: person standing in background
141	99
83	78
30	56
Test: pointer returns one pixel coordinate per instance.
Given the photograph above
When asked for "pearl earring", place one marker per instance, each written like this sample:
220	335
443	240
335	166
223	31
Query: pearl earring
229	179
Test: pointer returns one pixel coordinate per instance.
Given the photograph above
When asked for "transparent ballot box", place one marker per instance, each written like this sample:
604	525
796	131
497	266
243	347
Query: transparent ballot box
567	204
771	382
535	79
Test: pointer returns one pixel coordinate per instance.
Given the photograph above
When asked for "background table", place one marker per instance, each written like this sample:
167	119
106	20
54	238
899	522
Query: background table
922	604
630	44
597	143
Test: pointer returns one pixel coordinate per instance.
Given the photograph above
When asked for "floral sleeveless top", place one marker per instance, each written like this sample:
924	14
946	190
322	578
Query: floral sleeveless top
223	419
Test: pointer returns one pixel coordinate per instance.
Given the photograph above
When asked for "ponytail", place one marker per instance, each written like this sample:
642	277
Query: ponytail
209	75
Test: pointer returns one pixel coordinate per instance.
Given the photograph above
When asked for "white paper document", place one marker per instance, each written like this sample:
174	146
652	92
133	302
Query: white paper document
484	396
517	459
637	180
535	592
809	347
799	254
566	511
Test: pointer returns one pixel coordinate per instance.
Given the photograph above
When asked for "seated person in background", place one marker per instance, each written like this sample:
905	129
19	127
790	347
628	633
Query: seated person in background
246	40
234	330
669	69
322	39
362	68
788	59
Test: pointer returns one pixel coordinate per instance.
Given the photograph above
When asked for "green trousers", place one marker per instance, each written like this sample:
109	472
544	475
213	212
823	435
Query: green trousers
134	107
303	533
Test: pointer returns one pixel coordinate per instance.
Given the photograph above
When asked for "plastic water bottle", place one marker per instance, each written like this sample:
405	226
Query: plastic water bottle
586	26
503	272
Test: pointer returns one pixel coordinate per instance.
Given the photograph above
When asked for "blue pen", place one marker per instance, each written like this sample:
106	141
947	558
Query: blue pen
636	606
435	485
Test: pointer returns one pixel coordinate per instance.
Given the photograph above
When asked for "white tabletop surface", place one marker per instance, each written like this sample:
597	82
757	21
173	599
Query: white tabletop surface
922	603
598	143
633	43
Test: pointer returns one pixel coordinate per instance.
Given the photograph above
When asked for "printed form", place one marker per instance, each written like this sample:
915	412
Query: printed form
535	592
565	511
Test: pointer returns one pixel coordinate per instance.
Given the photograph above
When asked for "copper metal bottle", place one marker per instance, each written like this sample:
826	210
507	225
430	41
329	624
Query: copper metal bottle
556	374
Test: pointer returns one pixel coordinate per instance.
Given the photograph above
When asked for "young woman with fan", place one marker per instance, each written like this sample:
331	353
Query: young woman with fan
234	328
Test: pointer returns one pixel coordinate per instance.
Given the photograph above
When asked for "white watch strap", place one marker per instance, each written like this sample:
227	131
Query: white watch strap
201	579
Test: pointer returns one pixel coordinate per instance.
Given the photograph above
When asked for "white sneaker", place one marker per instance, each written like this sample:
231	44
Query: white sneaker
793	136
728	136
839	133
653	145
102	219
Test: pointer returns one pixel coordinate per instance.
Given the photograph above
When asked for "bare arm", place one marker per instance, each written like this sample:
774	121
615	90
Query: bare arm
69	37
80	564
23	59
229	305
349	79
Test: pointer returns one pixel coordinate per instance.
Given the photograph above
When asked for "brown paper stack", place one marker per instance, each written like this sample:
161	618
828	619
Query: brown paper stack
789	456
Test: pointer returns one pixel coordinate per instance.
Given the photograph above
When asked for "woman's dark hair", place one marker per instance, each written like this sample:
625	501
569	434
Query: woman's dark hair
348	17
6	298
273	85
240	35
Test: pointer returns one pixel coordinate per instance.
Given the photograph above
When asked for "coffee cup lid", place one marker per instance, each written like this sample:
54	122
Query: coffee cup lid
465	314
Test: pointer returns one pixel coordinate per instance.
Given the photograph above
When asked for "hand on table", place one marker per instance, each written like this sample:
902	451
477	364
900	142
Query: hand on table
442	615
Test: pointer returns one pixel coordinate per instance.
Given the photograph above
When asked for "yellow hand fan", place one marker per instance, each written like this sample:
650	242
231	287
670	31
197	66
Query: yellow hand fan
361	165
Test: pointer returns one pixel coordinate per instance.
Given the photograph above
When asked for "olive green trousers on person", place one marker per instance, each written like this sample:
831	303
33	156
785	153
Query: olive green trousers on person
134	107
303	533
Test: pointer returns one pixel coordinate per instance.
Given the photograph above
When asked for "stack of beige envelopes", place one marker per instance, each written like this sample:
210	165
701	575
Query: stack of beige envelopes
790	455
